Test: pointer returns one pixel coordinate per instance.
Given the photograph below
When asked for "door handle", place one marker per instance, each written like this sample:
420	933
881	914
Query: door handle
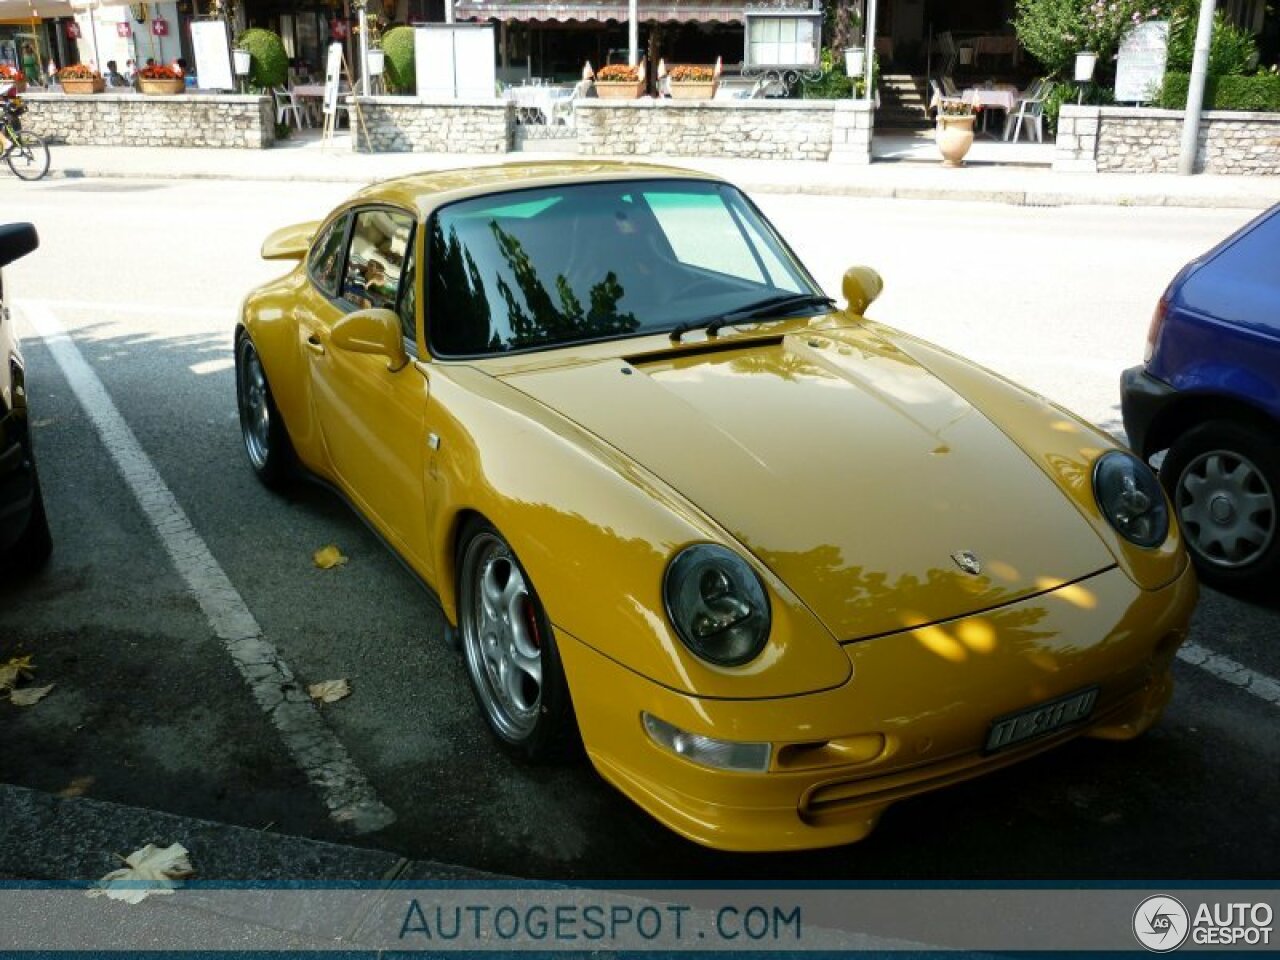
315	344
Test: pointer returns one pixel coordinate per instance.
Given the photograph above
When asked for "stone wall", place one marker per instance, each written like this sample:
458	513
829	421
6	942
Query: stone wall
1140	140
131	119
416	125
836	130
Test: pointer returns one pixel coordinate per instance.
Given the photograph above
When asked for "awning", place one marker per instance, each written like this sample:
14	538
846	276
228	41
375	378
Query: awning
38	9
595	12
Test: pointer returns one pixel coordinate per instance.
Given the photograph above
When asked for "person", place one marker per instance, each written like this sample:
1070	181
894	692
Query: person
113	76
130	71
51	71
30	63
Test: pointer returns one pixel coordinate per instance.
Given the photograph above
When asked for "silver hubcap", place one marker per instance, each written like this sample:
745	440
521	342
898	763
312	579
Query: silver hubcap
1226	508
501	637
255	415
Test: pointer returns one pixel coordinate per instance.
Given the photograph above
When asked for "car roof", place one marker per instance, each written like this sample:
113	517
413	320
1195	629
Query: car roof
425	192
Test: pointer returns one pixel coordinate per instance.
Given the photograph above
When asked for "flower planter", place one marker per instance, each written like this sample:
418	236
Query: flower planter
92	85
15	86
954	137
619	89
693	89
161	88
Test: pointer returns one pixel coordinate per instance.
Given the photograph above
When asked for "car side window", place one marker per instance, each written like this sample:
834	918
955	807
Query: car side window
325	261
380	244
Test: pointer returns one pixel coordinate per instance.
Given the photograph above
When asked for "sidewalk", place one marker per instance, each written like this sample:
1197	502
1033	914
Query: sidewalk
305	158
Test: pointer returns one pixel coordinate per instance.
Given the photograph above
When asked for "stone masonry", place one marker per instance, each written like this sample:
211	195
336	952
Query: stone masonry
132	119
1140	140
414	125
835	130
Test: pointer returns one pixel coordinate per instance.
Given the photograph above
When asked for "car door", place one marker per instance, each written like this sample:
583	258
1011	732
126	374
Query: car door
371	417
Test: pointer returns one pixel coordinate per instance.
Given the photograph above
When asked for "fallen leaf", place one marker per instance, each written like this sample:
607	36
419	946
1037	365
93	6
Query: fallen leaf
12	671
329	691
78	787
151	870
29	696
328	557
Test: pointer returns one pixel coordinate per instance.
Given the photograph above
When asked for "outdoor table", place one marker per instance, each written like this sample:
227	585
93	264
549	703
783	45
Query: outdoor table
1000	96
536	104
311	98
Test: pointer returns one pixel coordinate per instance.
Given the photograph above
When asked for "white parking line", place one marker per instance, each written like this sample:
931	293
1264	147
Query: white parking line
344	789
1237	674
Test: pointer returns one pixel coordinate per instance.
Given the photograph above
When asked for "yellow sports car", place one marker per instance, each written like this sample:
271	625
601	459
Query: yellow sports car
776	564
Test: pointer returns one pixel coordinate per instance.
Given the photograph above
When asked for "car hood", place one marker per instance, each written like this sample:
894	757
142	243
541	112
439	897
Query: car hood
844	466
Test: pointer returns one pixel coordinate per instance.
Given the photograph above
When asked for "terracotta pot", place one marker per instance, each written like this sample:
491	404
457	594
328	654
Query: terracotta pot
693	89
619	89
954	137
160	88
94	85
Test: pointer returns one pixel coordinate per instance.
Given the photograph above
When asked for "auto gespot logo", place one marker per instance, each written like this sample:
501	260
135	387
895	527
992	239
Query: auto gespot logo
1161	923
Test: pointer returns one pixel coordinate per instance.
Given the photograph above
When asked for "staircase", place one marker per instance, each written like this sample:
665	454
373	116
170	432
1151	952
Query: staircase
903	102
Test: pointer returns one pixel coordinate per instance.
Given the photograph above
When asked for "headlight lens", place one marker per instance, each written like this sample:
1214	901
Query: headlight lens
1131	498
717	605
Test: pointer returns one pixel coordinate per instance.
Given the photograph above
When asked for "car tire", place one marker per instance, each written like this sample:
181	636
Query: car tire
31	550
510	651
266	441
1224	482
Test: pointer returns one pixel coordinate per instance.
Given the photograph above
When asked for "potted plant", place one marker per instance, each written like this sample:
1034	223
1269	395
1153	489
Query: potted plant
14	77
693	81
620	82
160	80
78	78
954	134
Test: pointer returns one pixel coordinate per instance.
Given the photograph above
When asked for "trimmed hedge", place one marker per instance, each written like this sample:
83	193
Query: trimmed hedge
398	71
1258	94
268	66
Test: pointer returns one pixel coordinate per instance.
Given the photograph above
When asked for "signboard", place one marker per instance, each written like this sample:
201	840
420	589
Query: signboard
124	30
455	61
332	79
1141	61
159	28
213	54
786	38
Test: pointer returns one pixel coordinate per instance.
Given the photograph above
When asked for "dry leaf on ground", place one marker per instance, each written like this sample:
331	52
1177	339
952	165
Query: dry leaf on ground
14	670
151	870
328	557
78	787
28	696
329	691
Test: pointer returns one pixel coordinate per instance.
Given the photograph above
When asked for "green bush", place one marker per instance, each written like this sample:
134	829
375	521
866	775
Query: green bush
834	83
398	71
1260	94
269	66
1069	93
1232	50
1051	31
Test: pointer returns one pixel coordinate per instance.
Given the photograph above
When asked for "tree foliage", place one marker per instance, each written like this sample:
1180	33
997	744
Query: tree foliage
268	64
398	67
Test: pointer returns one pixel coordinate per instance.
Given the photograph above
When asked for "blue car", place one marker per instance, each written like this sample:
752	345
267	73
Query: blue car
1209	394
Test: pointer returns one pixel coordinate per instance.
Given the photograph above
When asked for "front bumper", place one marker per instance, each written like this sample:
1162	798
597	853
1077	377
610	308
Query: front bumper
1142	398
914	716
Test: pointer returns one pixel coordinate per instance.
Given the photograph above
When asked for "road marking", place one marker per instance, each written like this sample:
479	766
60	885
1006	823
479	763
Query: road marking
344	789
1237	674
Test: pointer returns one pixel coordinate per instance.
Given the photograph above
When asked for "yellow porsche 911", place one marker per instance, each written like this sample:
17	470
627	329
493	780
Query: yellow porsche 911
777	565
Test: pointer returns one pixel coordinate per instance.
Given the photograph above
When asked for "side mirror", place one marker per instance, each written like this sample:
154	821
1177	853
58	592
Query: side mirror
372	331
861	287
16	240
290	243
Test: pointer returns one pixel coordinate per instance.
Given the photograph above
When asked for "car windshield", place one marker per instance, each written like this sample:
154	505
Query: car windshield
532	269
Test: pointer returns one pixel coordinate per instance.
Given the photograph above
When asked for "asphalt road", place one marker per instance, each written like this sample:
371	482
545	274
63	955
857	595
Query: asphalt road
149	710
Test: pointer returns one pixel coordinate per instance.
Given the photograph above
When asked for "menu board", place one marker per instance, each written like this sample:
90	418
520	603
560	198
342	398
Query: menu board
1140	63
455	61
213	55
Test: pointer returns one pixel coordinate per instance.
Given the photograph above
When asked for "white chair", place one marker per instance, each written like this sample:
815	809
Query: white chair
286	104
1030	110
949	86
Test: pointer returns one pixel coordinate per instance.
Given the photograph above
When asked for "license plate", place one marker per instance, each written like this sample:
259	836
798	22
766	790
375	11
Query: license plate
1042	719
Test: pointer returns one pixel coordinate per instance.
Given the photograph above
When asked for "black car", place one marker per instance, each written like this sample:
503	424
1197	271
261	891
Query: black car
24	531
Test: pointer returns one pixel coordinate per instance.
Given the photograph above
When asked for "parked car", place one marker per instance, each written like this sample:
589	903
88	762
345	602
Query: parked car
1209	394
25	543
777	565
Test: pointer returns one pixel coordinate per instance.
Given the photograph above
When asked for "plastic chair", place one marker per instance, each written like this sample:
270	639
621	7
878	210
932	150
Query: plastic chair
1030	110
287	104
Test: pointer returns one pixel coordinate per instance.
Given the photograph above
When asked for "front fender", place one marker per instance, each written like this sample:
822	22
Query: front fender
595	531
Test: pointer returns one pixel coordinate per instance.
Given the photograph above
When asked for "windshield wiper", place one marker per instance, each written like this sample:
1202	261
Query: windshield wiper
771	307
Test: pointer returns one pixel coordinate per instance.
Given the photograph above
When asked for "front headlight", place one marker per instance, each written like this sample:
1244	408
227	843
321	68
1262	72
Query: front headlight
1130	498
717	605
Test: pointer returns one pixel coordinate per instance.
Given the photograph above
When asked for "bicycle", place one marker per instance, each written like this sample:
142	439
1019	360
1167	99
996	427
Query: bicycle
26	153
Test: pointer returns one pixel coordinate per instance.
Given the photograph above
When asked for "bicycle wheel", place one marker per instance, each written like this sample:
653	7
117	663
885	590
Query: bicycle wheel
28	158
